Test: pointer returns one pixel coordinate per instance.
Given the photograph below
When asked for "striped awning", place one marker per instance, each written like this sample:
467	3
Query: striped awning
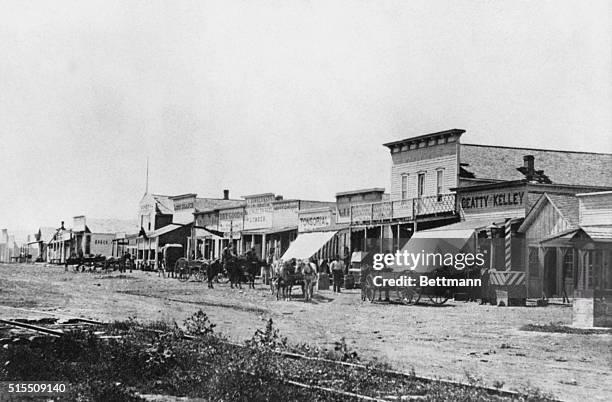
307	245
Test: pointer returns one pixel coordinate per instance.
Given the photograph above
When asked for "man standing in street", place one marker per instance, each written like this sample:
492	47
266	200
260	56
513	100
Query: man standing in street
337	268
228	263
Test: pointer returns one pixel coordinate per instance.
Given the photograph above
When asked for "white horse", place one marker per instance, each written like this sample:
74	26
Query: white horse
275	272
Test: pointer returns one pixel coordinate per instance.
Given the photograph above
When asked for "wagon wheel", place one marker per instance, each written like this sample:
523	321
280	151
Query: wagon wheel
439	298
181	269
200	273
408	295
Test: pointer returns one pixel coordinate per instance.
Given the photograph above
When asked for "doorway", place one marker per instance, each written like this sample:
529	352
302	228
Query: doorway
550	273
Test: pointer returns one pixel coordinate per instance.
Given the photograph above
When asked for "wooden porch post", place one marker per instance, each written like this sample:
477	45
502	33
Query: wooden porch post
541	257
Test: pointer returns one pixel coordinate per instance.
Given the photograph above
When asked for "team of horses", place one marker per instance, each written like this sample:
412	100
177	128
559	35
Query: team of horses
283	276
99	263
286	275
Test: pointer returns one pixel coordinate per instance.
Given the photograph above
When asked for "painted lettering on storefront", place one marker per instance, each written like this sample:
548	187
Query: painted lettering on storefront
493	200
314	222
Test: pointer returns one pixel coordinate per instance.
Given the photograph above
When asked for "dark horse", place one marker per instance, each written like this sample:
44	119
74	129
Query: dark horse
212	271
248	268
233	268
287	278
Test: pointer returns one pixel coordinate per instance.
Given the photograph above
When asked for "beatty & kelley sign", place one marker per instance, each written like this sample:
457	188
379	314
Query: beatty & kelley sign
509	199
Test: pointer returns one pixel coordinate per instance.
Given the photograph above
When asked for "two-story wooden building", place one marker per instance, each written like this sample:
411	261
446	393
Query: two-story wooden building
170	219
265	222
439	182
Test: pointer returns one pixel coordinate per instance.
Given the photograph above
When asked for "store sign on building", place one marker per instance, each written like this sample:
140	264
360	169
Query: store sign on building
146	208
181	204
314	220
492	200
258	211
231	221
285	213
78	224
209	220
361	212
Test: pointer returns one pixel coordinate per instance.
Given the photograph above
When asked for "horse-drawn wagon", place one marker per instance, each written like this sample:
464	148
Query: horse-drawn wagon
176	265
287	276
185	269
91	263
404	285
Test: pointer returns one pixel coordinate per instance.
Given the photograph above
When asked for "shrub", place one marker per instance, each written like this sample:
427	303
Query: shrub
199	324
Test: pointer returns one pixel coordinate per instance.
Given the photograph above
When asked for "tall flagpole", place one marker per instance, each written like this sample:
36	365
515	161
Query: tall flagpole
147	182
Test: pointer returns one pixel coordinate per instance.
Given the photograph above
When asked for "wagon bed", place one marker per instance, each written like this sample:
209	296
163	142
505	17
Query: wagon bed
405	294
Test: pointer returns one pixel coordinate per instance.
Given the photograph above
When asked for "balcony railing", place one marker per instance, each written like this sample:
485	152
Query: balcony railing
443	204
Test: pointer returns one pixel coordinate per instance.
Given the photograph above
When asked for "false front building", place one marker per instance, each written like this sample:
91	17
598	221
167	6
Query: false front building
264	222
489	191
169	220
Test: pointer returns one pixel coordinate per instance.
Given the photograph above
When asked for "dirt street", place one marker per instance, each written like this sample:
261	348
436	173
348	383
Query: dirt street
458	341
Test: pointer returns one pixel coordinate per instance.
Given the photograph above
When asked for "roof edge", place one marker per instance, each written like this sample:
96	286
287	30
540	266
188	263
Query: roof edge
534	149
455	131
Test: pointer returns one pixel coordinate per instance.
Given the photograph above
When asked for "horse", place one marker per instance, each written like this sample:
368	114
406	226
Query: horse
233	268
309	275
275	269
214	268
287	279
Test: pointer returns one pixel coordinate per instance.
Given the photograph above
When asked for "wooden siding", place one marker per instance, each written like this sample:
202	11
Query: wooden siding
430	166
596	209
495	216
547	223
424	153
101	244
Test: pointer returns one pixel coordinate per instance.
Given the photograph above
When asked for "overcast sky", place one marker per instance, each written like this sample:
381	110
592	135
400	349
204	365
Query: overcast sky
290	97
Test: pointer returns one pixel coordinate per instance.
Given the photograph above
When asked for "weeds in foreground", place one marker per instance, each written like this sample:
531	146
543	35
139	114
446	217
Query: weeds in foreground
199	324
156	358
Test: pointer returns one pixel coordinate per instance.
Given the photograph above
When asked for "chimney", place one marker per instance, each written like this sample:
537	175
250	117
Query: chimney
62	227
528	164
226	194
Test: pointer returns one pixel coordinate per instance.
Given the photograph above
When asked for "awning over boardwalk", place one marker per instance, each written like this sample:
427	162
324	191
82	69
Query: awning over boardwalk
437	241
268	231
307	244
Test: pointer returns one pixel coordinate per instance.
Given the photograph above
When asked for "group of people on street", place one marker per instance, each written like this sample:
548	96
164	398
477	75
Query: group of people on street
336	267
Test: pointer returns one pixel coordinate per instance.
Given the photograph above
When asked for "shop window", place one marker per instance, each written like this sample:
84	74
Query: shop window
534	262
421	184
404	186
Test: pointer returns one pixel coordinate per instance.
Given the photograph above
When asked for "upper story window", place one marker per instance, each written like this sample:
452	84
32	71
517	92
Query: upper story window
404	186
421	184
439	183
